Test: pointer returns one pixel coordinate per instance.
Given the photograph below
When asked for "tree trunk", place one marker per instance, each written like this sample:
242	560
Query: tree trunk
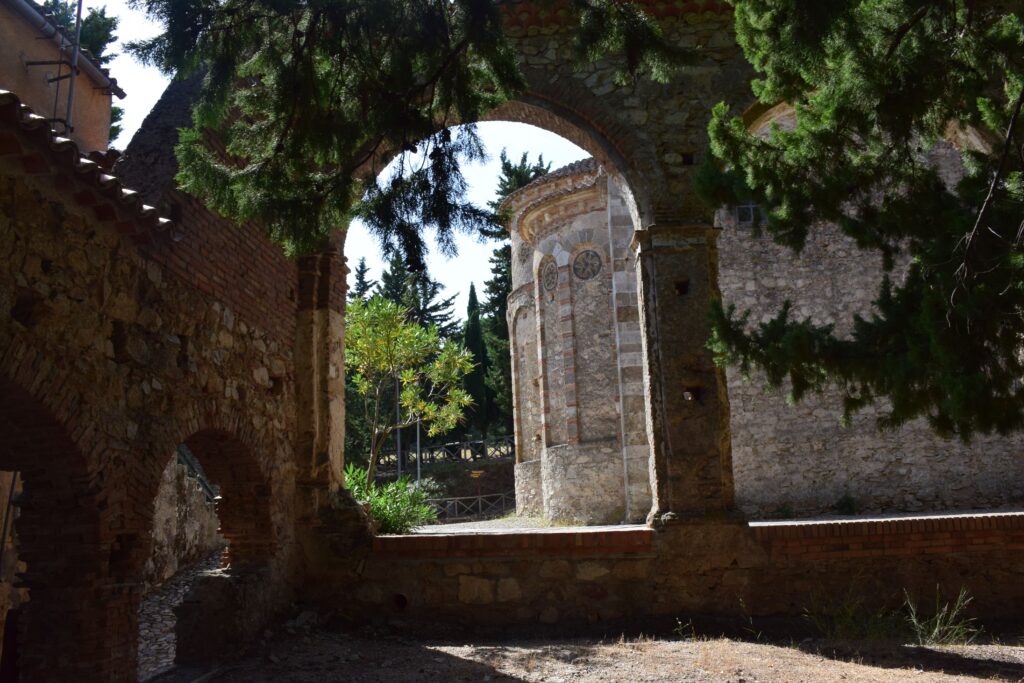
371	468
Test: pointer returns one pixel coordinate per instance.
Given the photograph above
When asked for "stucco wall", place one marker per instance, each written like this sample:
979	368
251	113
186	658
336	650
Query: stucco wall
20	43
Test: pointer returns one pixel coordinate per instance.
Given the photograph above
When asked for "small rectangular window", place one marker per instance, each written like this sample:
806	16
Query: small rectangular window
745	213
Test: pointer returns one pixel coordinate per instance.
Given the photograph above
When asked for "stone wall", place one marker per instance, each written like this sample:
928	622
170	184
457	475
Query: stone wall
725	570
184	525
798	459
125	338
787	460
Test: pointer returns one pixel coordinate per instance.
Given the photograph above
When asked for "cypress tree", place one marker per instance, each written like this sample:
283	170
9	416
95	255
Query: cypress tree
497	290
363	284
475	382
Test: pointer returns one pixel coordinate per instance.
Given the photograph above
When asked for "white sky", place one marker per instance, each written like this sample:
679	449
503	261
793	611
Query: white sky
144	86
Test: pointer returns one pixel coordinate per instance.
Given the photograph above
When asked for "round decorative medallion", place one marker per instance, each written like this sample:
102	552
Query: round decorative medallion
586	265
549	276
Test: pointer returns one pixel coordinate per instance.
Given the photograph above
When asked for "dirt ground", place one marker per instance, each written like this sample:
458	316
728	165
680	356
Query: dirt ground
321	656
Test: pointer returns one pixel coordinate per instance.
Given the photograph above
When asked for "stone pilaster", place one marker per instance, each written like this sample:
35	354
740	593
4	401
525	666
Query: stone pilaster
687	405
320	378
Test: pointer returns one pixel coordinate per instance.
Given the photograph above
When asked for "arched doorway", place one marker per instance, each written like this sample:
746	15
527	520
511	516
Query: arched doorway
73	619
210	606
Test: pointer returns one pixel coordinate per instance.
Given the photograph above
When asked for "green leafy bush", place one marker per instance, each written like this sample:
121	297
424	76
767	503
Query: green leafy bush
396	506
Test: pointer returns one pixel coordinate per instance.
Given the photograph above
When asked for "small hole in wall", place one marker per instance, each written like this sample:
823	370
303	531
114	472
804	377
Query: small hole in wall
401	601
27	308
182	360
683	287
689	159
119	341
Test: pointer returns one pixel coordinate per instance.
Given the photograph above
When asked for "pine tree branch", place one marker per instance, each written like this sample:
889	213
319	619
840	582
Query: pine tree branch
903	30
963	272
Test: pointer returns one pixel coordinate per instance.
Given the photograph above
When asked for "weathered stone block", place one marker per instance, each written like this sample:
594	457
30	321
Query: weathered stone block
591	571
555	569
474	590
509	590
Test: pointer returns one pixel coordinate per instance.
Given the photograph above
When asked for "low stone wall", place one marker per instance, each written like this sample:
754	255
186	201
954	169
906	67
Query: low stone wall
599	578
184	525
540	577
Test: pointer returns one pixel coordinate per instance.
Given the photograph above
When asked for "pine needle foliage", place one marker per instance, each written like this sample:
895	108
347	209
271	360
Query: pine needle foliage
97	28
876	84
310	100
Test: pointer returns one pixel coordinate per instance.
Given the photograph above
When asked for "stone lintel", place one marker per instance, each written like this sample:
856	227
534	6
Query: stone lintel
674	236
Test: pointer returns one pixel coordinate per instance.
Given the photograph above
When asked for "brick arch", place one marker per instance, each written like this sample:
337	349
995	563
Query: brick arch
605	141
77	622
245	492
561	113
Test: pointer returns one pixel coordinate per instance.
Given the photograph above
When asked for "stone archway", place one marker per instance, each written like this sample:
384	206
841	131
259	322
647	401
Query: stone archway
244	505
225	609
76	623
650	137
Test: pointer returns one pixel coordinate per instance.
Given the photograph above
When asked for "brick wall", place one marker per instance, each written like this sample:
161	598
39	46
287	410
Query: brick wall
237	265
124	339
601	579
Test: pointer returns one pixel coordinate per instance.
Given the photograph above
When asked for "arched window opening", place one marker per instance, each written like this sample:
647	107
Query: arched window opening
554	292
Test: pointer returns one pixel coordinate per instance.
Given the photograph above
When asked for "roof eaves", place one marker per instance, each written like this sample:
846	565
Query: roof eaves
28	139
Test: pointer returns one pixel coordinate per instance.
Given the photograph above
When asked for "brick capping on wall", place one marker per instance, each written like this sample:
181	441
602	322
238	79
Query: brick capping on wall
891	536
785	540
629	540
82	179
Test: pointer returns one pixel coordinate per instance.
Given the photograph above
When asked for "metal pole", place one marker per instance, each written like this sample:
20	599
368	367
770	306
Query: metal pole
398	432
75	51
419	456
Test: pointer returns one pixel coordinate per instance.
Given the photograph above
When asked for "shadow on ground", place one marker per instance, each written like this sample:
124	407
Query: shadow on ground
966	661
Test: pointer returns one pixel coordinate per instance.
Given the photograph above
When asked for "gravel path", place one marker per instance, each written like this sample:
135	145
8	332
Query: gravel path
322	656
156	617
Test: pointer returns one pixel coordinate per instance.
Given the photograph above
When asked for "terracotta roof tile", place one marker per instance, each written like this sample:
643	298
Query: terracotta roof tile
29	139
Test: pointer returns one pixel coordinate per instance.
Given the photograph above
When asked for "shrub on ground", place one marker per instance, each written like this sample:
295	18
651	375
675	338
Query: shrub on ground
396	506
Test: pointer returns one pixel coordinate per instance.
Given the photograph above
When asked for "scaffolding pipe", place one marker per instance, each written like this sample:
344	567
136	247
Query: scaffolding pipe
76	50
